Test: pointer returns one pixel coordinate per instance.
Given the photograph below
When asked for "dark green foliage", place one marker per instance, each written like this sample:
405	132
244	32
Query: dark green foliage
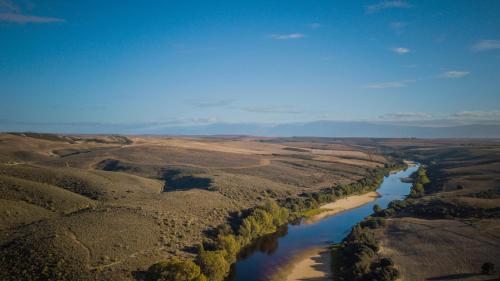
372	222
175	269
385	262
421	180
357	258
230	246
488	268
438	208
398	204
213	264
377	208
488	194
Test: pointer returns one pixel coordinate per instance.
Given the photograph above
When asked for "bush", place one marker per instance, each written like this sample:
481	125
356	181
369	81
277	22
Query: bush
488	268
385	262
230	246
279	214
397	204
213	264
175	269
377	208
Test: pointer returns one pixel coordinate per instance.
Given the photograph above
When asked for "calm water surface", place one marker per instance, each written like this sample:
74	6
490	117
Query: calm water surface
260	260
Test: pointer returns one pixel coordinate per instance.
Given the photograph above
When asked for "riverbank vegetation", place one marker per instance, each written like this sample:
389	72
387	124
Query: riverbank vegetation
214	258
356	258
420	181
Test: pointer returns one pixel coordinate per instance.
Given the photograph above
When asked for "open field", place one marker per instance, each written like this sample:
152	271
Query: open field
441	249
453	229
107	207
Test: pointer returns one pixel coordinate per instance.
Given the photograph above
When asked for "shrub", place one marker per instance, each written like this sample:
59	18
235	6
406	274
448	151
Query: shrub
213	264
175	269
279	214
488	268
377	208
385	262
397	205
230	246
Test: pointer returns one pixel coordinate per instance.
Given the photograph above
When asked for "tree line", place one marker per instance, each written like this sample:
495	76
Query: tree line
214	258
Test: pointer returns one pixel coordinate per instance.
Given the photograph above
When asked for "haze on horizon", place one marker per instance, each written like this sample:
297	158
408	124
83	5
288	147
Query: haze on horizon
81	66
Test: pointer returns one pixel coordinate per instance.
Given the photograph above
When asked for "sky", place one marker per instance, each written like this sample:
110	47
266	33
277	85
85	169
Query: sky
184	63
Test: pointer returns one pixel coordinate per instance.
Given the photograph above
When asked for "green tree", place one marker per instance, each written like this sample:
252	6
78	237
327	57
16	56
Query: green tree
377	208
417	190
175	269
279	214
213	264
229	244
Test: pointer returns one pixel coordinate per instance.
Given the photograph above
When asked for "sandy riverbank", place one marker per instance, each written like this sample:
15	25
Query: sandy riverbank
314	264
344	204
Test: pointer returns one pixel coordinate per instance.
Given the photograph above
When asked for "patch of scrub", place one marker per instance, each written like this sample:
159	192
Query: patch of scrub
176	180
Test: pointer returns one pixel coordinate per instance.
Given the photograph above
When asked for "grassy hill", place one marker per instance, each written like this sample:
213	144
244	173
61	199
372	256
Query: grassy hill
107	207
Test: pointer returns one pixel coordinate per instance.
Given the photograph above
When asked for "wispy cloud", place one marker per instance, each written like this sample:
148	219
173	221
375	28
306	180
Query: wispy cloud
10	12
398	25
290	36
384	5
315	25
400	50
20	18
485	45
389	85
211	103
454	74
476	115
9	6
405	116
271	109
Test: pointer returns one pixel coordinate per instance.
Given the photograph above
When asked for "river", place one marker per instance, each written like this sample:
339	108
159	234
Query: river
260	261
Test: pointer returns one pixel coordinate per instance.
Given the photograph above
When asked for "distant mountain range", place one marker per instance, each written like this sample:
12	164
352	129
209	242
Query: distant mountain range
340	129
316	128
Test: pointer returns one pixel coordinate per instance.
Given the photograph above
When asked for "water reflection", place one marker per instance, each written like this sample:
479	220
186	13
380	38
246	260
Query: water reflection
267	244
261	259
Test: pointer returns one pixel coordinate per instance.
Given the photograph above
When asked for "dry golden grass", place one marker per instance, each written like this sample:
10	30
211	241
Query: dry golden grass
441	249
96	202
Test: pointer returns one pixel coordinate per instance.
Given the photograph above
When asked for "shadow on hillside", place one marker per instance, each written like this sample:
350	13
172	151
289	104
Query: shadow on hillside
174	180
453	276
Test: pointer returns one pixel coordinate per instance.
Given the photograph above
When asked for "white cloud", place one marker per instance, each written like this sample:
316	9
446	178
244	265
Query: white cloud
398	25
476	115
20	18
384	5
287	36
389	85
272	109
10	12
211	103
486	45
315	25
405	116
455	74
9	6
400	50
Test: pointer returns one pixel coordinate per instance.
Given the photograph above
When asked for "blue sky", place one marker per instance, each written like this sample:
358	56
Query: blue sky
199	62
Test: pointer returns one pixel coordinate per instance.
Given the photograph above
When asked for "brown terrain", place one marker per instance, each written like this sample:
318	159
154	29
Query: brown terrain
456	227
107	207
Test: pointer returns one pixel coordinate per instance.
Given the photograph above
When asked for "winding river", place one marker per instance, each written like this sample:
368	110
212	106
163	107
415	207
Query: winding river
261	260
